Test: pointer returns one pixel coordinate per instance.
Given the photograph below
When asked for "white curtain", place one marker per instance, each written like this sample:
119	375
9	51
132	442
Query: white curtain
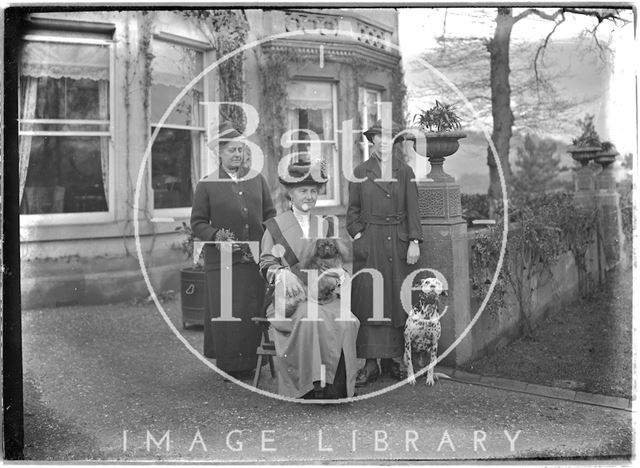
28	112
292	118
327	124
103	97
56	60
195	140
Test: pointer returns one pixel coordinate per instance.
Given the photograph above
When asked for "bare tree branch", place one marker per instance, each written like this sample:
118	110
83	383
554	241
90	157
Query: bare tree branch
600	15
539	13
543	47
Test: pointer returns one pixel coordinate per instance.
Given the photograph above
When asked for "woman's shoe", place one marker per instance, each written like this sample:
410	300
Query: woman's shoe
367	375
385	366
398	371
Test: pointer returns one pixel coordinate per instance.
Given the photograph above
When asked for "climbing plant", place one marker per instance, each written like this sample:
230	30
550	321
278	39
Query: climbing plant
137	64
273	74
398	94
226	30
484	252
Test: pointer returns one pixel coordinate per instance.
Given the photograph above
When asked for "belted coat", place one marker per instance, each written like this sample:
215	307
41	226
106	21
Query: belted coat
386	213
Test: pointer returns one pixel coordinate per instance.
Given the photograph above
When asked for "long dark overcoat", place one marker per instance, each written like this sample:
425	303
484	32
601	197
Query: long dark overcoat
386	213
241	207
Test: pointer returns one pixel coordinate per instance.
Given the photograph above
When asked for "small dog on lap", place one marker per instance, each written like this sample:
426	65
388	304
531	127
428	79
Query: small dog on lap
321	255
422	330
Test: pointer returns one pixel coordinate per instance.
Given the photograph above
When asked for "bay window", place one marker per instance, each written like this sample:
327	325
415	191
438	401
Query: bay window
311	105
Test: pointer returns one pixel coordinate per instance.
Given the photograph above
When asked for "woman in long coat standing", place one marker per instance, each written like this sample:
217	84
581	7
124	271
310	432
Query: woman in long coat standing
228	202
384	221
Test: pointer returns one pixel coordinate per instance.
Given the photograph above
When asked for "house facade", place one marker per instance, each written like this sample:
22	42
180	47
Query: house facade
95	87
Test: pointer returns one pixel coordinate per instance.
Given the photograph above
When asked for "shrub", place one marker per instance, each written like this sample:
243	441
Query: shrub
547	225
475	206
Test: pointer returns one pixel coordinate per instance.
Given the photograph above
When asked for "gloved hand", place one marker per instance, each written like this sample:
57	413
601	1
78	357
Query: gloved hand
413	253
292	284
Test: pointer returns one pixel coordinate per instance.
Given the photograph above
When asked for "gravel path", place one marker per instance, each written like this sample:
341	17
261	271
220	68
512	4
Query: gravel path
92	373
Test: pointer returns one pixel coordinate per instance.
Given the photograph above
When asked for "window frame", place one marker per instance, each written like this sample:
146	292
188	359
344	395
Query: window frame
84	217
181	212
366	146
335	177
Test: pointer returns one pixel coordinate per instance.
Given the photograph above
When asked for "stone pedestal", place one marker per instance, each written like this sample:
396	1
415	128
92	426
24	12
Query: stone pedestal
607	201
445	249
585	187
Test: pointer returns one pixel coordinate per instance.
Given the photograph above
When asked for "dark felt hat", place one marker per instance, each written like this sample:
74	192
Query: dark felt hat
376	129
313	173
226	131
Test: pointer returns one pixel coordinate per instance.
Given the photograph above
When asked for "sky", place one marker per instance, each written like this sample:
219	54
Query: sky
616	118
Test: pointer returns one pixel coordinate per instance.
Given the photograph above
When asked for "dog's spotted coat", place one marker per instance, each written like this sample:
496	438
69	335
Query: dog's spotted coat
422	329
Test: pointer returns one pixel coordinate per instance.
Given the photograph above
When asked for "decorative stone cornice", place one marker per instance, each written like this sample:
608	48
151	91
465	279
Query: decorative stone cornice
368	39
302	21
372	35
338	52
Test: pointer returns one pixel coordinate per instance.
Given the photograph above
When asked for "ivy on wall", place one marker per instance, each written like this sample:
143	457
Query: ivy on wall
273	73
226	31
137	64
399	95
397	87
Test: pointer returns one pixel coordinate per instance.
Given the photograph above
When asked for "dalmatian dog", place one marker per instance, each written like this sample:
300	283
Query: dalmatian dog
422	330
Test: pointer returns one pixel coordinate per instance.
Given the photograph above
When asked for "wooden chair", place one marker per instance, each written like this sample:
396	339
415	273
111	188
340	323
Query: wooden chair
267	349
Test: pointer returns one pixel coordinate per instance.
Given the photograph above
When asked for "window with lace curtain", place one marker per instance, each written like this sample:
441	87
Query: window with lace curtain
65	126
176	151
311	105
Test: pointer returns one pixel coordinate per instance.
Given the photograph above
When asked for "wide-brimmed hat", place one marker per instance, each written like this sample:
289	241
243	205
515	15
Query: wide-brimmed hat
225	131
314	173
376	129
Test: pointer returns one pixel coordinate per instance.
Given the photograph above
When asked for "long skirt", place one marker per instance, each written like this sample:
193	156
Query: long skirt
310	351
380	341
233	344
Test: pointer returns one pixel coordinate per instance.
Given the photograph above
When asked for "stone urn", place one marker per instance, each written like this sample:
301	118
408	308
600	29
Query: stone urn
583	154
439	146
605	158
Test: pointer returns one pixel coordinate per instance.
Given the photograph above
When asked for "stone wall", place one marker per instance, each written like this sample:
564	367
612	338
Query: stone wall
552	291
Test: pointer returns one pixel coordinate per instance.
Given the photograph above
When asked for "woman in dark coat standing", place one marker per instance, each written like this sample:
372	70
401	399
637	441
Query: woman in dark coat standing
232	201
384	221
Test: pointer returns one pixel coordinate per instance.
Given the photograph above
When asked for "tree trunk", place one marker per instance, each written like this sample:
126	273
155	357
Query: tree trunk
500	103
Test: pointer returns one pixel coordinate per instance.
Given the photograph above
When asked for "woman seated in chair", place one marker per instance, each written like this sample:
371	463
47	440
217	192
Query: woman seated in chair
314	358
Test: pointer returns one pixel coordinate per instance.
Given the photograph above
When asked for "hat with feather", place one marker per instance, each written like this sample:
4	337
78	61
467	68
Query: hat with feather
303	172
